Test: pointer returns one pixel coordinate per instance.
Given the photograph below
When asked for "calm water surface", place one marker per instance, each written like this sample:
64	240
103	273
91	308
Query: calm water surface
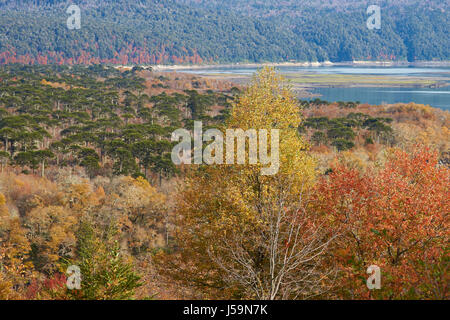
436	97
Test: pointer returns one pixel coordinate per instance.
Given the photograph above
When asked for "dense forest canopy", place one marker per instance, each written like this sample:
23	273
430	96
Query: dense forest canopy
83	116
188	31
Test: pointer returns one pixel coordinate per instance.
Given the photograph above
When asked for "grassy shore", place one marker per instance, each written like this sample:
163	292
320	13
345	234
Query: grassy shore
345	80
308	80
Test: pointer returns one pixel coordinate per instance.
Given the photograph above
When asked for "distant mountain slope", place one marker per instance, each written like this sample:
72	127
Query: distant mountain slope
198	31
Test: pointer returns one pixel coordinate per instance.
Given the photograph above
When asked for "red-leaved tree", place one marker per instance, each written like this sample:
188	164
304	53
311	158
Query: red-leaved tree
395	217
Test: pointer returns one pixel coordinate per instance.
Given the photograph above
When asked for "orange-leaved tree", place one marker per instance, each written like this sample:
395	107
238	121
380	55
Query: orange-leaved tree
395	217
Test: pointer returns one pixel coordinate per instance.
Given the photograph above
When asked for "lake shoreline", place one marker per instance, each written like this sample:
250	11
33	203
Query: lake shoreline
303	64
389	86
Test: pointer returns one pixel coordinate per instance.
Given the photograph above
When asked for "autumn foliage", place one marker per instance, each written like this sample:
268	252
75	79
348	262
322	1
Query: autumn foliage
309	231
395	217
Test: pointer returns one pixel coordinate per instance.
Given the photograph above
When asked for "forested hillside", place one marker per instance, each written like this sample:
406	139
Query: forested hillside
175	31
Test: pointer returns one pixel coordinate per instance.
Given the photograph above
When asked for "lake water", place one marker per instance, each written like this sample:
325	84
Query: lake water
439	98
436	97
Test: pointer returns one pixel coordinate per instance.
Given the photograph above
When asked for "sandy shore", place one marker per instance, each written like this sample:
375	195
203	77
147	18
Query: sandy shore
305	64
241	65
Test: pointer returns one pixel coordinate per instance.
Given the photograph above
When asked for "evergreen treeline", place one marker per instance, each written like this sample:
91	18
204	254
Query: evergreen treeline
95	117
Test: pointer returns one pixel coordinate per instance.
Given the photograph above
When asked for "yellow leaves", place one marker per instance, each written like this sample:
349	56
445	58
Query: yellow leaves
14	251
354	159
2	199
19	182
81	196
52	228
6	292
135	193
79	192
50	214
269	103
36	201
266	103
100	193
143	183
229	194
3	209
